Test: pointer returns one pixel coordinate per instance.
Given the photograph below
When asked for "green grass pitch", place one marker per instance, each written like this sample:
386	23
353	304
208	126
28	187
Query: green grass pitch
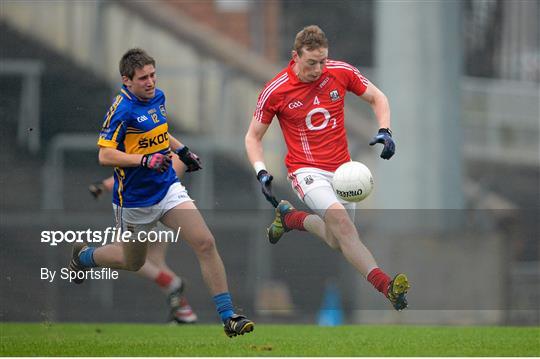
39	339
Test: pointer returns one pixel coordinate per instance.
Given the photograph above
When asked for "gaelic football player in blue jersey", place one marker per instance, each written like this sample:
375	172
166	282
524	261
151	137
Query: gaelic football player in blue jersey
134	139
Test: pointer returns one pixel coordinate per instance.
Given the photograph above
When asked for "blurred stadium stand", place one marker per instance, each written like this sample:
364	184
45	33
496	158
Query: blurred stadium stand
212	83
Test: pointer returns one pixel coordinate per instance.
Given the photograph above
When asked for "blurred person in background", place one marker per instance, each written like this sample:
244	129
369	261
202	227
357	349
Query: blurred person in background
155	267
134	139
308	98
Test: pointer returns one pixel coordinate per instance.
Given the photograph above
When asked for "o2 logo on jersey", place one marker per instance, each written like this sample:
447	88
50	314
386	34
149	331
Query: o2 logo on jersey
146	142
325	113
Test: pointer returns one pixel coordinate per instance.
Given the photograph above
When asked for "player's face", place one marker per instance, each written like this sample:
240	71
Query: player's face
143	83
310	65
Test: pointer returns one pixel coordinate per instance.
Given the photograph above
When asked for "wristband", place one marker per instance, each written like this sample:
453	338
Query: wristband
181	151
259	166
144	160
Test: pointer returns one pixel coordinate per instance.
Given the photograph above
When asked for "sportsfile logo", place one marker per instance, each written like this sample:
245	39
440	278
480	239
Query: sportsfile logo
109	235
146	142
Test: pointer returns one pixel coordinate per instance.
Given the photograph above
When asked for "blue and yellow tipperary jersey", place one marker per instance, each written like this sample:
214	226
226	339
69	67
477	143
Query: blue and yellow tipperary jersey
135	126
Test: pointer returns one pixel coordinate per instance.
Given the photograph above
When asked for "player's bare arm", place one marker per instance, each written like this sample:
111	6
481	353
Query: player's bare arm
253	141
174	143
114	158
379	103
254	149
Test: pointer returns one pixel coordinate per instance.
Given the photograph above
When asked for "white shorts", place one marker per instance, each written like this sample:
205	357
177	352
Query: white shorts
147	217
314	187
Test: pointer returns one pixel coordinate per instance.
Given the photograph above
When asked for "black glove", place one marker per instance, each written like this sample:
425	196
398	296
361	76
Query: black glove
96	189
384	136
191	160
265	179
156	161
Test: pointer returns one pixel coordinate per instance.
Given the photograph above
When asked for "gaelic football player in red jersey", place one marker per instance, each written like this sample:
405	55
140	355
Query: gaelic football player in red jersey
307	97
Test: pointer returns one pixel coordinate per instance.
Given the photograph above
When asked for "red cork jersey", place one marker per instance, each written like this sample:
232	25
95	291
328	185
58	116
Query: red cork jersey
311	115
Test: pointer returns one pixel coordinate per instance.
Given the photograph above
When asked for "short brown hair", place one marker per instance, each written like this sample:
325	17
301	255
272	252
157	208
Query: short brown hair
311	37
134	59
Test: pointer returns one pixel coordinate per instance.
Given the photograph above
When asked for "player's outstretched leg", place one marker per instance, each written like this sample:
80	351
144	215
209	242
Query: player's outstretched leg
278	227
397	289
238	325
75	264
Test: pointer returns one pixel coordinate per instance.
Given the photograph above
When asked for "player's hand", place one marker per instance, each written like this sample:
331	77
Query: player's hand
156	162
96	189
191	160
265	179
384	136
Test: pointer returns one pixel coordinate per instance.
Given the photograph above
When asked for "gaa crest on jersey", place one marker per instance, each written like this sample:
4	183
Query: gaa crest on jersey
295	104
141	118
334	95
308	180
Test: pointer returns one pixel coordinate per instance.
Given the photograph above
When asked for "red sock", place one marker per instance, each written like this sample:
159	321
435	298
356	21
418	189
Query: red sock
295	220
379	280
163	279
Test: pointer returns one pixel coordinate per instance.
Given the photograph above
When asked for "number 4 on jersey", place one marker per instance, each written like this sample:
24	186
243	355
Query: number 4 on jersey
316	101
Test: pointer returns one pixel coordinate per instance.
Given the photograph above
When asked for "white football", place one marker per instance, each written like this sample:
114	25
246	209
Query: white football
353	181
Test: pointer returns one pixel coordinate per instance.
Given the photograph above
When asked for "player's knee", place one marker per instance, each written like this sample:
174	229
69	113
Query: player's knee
341	225
205	244
346	228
